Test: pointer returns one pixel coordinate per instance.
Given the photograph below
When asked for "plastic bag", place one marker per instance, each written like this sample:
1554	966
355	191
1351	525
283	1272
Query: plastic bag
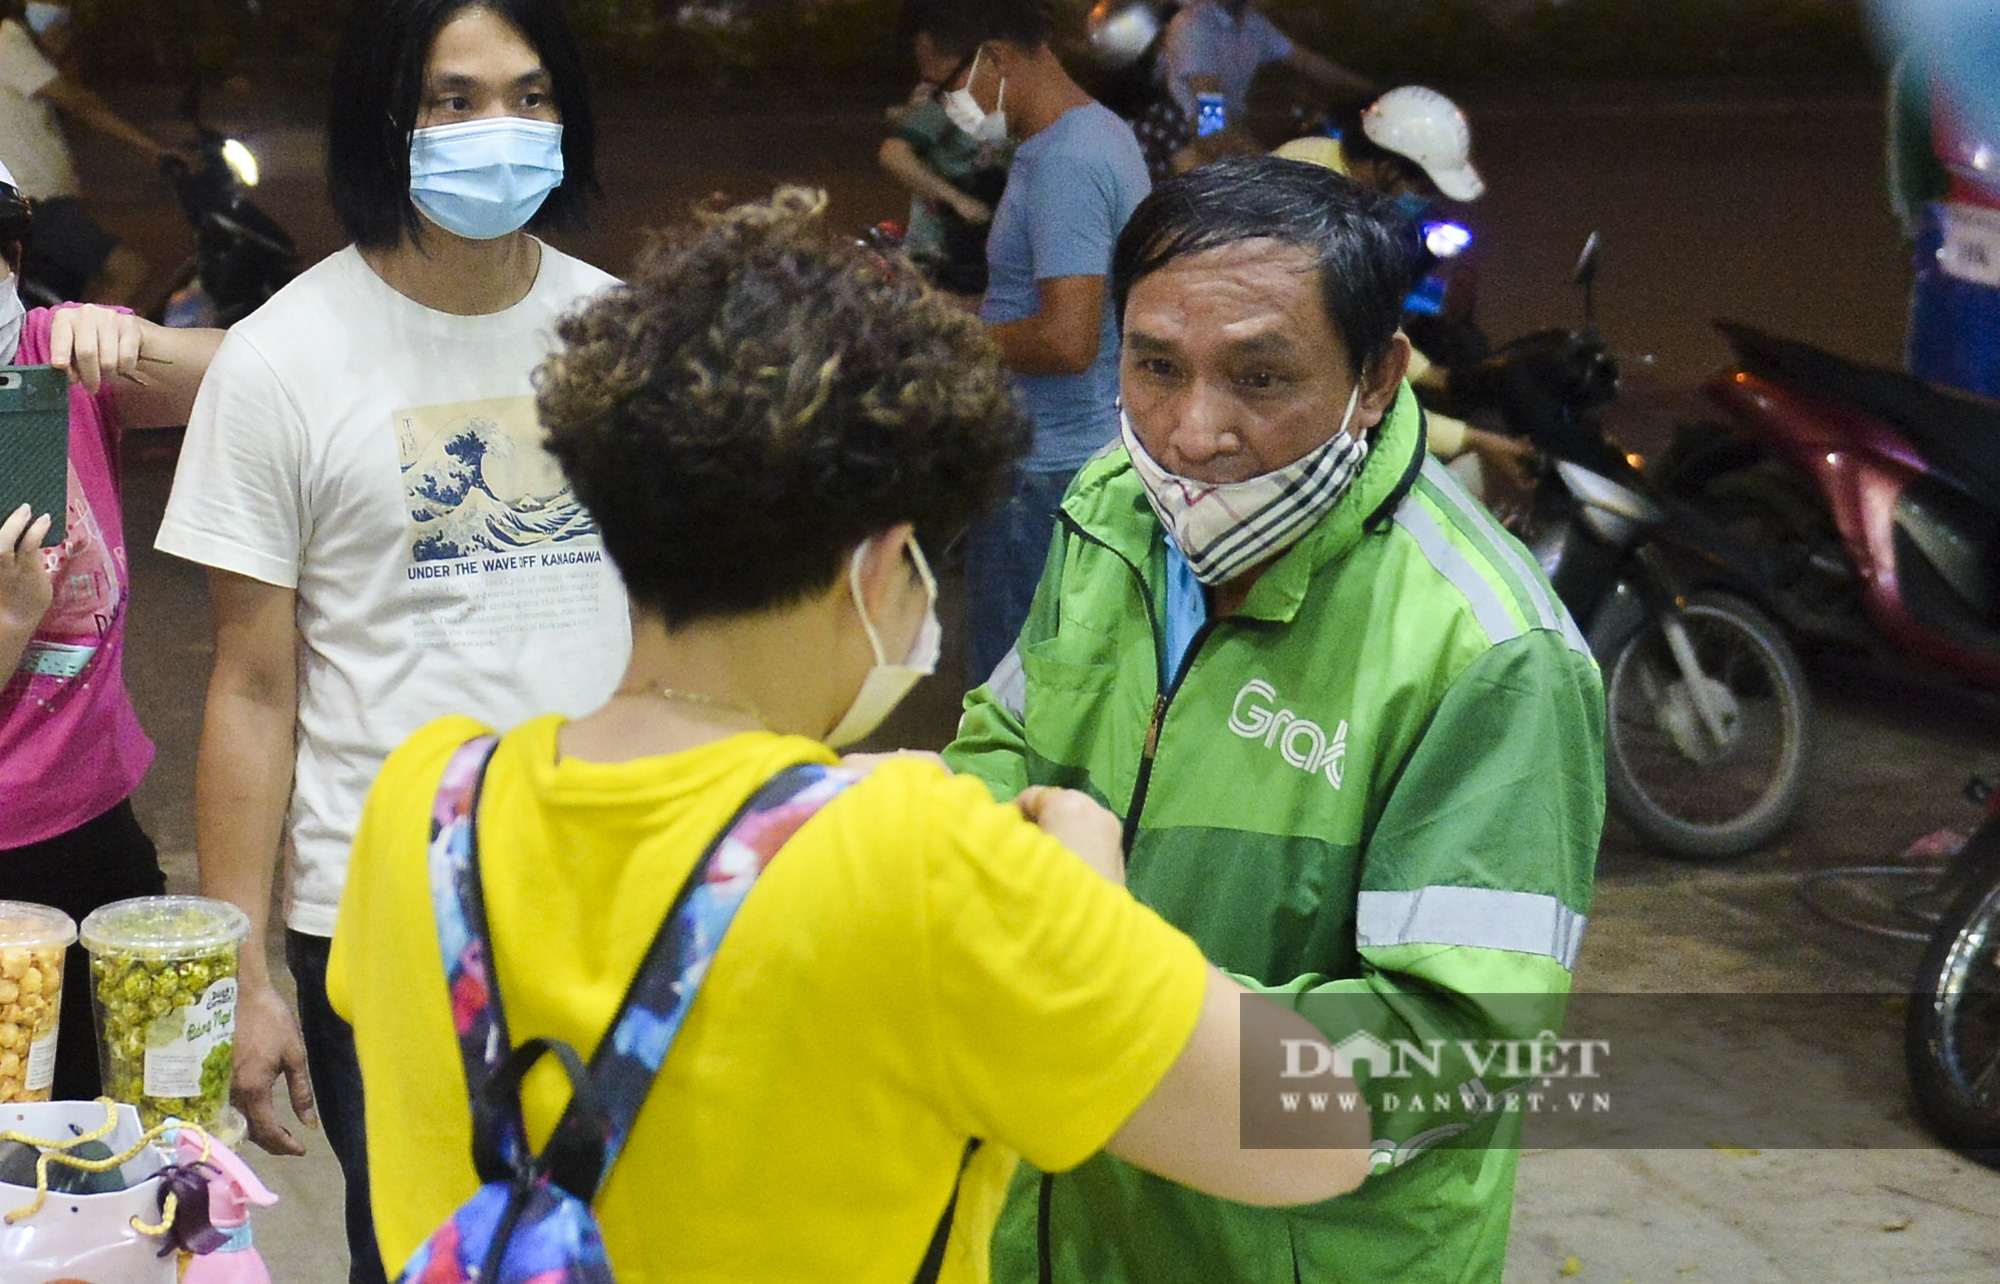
84	1239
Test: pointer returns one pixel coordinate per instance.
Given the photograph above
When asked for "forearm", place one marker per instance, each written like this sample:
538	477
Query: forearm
93	111
243	781
900	160
1037	345
1324	71
172	361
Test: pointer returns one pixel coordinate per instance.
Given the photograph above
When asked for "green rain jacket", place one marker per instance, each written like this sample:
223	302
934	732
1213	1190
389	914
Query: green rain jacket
1381	778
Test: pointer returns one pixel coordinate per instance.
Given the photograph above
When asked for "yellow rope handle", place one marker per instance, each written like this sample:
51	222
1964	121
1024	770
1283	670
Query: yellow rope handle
58	1152
168	1207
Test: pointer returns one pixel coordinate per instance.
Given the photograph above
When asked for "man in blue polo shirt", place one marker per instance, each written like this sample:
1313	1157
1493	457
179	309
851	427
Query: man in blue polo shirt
1077	176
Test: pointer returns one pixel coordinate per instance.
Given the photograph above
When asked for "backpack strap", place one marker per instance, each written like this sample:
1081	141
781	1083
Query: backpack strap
586	1141
463	939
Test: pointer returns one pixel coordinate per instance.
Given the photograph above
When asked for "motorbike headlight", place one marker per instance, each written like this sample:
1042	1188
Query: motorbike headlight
242	162
1446	240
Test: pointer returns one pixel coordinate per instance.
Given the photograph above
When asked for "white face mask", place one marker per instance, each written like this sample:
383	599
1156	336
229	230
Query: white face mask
12	315
1226	529
886	684
966	113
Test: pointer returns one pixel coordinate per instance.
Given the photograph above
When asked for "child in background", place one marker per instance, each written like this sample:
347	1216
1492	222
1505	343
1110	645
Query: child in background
71	748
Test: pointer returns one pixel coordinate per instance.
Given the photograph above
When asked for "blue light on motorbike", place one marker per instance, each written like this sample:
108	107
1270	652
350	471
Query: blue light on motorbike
241	161
1446	240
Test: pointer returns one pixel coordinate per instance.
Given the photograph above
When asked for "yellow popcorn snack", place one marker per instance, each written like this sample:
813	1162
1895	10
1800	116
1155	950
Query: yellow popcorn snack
32	941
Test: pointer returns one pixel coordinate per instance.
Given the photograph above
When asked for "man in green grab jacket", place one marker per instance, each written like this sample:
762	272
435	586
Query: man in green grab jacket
1356	740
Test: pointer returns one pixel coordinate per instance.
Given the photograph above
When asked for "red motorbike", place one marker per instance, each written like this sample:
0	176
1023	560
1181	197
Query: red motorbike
1871	498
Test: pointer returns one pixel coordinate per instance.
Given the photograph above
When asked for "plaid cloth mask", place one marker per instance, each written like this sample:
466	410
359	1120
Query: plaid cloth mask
1224	530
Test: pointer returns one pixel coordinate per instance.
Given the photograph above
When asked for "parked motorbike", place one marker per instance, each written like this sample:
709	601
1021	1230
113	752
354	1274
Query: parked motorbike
242	256
1951	1039
1872	497
1708	712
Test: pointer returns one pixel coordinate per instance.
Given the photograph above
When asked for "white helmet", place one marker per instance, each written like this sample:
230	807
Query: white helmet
1427	127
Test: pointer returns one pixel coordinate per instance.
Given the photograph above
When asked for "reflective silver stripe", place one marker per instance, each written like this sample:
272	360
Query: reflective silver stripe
1574	636
1550	607
1452	563
1448	486
1010	684
1524	922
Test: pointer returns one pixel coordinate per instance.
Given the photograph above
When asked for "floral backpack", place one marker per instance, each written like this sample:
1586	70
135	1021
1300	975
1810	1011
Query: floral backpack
531	1222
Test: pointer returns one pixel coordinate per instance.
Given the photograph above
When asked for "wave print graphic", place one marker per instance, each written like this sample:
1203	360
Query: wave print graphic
475	490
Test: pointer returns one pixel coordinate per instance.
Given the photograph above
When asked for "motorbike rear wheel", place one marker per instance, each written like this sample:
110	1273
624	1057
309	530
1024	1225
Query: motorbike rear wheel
1667	774
1951	1039
1772	511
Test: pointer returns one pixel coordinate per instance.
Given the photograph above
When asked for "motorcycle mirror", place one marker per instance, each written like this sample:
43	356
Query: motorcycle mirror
1586	276
1586	262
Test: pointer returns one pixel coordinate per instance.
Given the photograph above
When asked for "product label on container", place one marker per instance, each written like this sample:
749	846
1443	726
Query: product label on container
1971	249
42	1063
182	1041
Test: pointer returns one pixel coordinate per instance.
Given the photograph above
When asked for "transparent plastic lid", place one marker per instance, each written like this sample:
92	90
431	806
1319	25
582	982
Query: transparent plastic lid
165	927
26	926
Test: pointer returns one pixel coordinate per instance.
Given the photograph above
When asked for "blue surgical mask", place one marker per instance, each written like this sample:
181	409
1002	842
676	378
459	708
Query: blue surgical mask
43	16
482	179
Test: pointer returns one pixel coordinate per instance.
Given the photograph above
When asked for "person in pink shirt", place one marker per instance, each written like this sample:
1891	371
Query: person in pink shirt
71	748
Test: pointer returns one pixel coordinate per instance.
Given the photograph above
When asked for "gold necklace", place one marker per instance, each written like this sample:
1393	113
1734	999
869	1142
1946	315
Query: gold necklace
696	697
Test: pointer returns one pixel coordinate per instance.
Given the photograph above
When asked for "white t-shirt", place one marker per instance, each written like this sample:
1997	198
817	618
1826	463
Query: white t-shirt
31	141
385	460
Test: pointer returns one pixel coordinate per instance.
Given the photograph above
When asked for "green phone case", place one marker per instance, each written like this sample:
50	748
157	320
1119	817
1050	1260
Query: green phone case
34	444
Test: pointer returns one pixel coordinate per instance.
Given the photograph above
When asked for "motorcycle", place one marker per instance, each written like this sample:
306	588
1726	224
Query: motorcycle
242	256
1872	497
1951	1038
1709	716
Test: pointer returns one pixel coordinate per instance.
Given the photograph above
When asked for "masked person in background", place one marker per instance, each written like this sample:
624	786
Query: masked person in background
71	747
1357	741
1076	176
73	256
954	181
365	480
769	428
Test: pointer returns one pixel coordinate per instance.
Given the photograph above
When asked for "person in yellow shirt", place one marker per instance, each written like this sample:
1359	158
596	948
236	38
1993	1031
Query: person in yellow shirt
766	425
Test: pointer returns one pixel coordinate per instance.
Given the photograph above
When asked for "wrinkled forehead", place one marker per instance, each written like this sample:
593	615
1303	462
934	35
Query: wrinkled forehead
1259	291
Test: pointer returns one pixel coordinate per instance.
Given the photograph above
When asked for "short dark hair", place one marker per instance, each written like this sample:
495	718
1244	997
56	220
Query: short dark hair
1358	147
378	81
761	397
1365	250
957	27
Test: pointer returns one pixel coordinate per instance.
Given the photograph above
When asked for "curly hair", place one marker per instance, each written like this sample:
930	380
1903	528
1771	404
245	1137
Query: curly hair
761	397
